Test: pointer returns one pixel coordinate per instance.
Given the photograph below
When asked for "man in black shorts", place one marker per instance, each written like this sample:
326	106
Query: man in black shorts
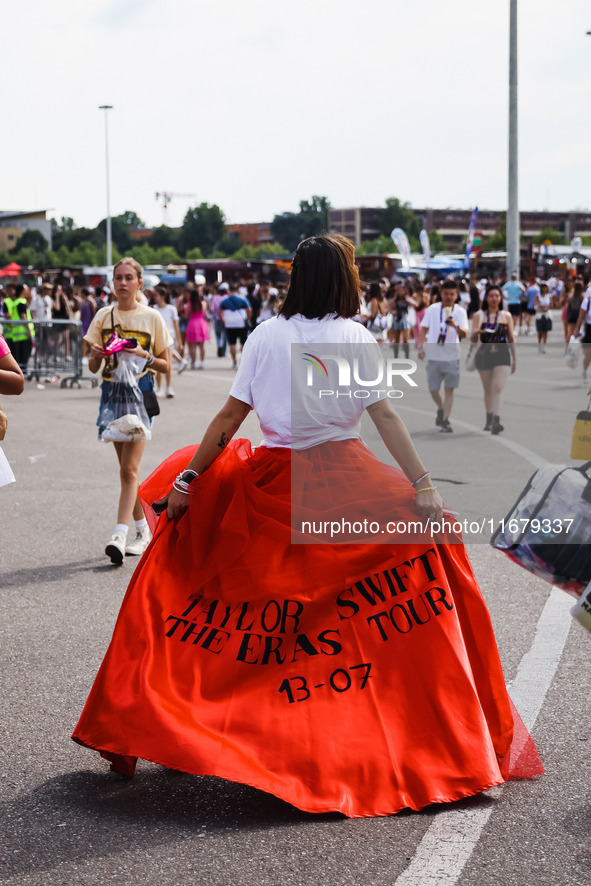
235	312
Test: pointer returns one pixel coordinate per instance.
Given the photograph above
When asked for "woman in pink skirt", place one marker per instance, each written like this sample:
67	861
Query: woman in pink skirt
197	330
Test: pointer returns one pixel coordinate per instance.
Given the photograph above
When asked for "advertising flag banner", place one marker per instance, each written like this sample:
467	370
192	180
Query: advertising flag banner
470	240
424	238
402	245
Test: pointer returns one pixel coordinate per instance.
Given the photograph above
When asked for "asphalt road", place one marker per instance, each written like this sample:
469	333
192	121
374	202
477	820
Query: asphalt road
65	820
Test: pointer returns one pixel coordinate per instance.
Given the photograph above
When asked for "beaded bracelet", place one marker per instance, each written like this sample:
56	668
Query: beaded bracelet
426	489
416	482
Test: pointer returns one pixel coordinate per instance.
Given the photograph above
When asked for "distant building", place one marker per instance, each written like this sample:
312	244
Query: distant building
452	224
255	234
14	224
358	223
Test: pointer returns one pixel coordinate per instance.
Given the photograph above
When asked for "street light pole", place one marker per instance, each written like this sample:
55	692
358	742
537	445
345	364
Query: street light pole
513	251
107	108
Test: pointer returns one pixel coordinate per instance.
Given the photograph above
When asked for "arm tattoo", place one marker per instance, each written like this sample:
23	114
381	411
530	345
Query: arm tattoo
224	440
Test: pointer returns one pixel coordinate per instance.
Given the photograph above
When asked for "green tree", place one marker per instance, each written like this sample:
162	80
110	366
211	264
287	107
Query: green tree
86	253
554	236
166	255
132	220
76	236
194	254
34	240
203	226
291	227
400	215
62	257
383	245
27	256
144	254
164	236
287	227
5	258
314	214
120	233
228	244
436	242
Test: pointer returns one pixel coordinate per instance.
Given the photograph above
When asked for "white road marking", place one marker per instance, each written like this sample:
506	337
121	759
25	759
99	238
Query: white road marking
229	378
449	842
528	454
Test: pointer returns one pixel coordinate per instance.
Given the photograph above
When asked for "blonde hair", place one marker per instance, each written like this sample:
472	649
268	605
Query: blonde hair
128	260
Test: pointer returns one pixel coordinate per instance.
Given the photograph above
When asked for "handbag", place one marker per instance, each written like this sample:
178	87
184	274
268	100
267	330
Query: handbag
470	364
581	440
548	529
151	403
3	424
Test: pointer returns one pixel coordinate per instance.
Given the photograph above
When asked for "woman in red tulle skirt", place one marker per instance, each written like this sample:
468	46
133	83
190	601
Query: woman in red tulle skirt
295	624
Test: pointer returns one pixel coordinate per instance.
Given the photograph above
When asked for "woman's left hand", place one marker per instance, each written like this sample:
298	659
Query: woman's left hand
138	351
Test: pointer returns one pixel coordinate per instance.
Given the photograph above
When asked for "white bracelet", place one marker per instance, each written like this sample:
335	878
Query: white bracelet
180	485
149	359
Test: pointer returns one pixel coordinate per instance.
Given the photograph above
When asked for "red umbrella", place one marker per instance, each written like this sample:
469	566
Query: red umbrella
11	270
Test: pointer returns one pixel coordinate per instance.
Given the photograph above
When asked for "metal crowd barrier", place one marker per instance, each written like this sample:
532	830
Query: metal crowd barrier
57	349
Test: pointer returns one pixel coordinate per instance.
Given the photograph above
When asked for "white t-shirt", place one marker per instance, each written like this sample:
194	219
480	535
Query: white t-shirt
586	306
434	321
170	315
297	357
234	311
41	307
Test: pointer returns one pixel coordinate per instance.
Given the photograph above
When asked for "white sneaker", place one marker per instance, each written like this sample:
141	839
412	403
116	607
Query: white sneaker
200	365
169	392
182	365
116	548
141	541
159	392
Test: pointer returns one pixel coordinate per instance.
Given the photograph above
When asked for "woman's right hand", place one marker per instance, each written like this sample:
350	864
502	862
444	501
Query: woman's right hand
430	505
176	504
96	352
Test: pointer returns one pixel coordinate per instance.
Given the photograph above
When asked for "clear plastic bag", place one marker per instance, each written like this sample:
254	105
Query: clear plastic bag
548	530
123	415
573	353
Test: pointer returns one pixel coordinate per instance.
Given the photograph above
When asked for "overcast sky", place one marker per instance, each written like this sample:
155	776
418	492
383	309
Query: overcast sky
257	105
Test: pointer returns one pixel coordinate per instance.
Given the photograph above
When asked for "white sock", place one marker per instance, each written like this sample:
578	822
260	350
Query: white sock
122	527
142	524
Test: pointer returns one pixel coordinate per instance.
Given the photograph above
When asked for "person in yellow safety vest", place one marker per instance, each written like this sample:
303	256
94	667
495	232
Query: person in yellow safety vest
19	337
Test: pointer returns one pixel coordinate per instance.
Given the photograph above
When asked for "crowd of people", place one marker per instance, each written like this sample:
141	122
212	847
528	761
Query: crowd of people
399	313
229	311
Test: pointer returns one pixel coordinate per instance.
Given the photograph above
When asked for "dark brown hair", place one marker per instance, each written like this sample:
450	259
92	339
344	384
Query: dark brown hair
324	279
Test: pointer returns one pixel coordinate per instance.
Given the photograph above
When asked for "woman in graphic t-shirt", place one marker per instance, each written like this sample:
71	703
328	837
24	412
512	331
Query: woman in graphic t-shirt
129	319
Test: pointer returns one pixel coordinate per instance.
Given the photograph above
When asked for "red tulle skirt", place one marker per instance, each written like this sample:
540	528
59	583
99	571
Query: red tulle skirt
359	678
